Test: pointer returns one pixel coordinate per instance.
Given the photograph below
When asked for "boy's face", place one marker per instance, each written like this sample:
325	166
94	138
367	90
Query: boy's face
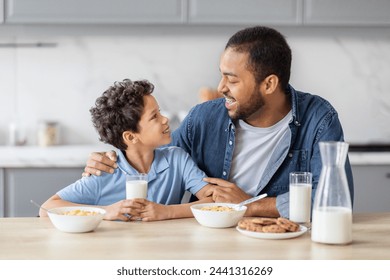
154	127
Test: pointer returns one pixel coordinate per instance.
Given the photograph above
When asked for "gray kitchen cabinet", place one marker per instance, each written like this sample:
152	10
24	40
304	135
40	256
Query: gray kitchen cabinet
372	188
1	11
1	192
347	12
20	185
281	12
95	11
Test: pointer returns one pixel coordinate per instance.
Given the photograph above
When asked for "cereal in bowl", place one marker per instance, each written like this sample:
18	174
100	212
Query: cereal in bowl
217	208
79	213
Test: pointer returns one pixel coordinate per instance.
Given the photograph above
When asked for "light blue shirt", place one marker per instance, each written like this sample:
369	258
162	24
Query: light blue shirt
172	173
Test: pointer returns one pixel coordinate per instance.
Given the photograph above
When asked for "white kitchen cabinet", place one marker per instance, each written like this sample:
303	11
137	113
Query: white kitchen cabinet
20	185
281	12
372	188
95	11
347	12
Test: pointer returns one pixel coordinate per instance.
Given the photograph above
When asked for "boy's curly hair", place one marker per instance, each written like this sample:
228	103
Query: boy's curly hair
119	109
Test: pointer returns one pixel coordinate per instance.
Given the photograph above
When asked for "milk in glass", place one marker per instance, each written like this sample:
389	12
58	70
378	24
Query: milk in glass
136	186
300	203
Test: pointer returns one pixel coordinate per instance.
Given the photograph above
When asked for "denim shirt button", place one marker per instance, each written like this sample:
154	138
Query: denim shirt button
290	155
224	173
230	143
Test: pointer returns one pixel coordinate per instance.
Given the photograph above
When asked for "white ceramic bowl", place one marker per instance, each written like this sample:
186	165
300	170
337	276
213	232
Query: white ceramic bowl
214	219
73	223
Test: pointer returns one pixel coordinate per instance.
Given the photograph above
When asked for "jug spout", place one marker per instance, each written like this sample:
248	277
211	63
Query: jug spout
333	153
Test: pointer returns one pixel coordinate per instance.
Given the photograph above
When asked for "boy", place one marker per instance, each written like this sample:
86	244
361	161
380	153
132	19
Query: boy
127	116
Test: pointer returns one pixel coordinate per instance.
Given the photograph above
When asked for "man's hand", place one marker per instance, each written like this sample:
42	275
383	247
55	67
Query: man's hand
100	161
225	191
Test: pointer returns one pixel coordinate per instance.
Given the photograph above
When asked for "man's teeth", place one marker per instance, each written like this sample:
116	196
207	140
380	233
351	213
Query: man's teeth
166	131
229	100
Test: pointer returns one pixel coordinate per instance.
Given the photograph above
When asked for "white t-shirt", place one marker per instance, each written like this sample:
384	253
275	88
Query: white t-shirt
253	149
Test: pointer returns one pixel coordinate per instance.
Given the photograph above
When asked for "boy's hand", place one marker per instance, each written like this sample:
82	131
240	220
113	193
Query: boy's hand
100	161
152	211
124	210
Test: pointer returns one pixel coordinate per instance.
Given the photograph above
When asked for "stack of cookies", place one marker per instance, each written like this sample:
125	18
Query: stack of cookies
269	225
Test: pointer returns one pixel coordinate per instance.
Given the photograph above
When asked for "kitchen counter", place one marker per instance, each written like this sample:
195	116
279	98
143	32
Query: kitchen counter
36	238
369	158
77	155
53	156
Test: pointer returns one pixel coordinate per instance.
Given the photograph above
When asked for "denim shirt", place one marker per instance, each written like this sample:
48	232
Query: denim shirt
208	135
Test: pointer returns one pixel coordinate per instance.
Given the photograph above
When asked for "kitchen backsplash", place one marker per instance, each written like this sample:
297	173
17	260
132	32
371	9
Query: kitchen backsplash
60	81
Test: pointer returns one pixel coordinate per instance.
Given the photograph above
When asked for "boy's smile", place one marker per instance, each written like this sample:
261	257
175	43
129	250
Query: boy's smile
154	127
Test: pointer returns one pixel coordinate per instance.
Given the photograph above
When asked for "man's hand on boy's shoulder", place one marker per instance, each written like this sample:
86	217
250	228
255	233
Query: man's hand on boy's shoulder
99	162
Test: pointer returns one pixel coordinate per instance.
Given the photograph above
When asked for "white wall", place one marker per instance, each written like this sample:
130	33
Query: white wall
349	66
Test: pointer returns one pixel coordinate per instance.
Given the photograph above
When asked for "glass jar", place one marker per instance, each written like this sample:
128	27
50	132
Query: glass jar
48	133
332	209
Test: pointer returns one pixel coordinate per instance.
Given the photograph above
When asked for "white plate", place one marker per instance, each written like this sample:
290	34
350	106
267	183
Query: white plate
266	235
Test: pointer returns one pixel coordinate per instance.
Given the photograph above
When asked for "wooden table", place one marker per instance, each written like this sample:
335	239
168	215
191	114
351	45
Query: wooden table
184	239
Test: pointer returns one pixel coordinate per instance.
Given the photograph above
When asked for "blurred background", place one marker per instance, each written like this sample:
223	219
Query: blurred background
57	57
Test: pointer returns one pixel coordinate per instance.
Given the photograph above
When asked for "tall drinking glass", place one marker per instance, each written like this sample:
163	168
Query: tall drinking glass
300	197
136	186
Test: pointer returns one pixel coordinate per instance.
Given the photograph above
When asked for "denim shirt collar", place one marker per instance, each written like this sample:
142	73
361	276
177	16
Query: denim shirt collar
294	105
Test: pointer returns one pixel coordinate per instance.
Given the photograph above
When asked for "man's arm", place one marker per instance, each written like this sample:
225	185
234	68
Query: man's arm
224	191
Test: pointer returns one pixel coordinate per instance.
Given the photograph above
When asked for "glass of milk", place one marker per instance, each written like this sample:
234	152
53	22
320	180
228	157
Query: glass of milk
300	197
136	186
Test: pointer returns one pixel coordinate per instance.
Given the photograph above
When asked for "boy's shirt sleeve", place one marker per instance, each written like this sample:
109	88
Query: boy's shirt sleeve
192	174
84	191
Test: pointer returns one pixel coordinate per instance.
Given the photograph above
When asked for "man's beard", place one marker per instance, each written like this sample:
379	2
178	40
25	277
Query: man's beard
244	112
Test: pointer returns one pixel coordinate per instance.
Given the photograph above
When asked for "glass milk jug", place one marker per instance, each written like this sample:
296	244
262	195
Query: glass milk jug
332	209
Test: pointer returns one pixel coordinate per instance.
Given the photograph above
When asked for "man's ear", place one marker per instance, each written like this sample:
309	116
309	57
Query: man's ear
129	137
270	84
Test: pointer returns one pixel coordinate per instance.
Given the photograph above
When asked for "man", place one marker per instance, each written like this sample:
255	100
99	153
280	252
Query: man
249	141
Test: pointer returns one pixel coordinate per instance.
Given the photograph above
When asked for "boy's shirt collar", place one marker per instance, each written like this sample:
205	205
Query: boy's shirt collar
159	164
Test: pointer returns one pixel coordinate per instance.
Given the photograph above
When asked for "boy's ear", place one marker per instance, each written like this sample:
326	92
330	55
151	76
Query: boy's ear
129	137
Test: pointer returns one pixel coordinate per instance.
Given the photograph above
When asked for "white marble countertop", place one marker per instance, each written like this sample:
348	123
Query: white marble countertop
369	158
53	156
77	155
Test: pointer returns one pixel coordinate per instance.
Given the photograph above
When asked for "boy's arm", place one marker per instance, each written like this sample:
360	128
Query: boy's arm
56	201
154	212
121	210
